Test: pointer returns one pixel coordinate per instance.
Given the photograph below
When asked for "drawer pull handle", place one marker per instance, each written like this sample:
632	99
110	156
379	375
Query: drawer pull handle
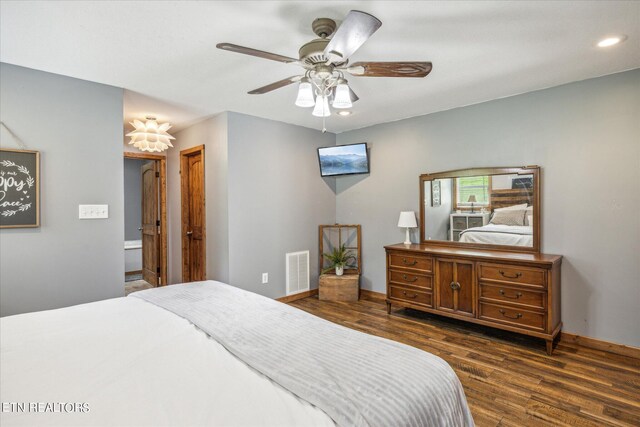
409	296
405	262
517	295
406	278
508	276
517	316
455	285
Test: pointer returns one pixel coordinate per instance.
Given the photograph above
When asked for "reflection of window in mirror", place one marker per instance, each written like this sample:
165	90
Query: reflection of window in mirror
470	190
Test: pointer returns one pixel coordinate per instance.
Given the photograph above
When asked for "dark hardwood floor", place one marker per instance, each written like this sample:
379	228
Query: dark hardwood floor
509	380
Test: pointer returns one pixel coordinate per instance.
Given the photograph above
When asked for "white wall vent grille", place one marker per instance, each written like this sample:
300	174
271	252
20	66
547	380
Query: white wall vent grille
297	272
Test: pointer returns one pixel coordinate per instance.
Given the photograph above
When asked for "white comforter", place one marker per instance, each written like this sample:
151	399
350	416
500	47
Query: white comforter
511	235
134	364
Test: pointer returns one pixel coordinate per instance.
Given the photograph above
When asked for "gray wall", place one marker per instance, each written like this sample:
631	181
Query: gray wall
264	198
132	198
213	134
277	199
77	127
585	135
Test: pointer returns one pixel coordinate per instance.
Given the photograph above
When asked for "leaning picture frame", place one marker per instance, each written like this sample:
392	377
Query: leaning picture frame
19	188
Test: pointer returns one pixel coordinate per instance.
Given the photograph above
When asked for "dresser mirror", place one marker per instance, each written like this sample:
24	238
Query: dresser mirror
488	208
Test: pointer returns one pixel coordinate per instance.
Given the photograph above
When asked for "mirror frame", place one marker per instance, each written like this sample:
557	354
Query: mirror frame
524	170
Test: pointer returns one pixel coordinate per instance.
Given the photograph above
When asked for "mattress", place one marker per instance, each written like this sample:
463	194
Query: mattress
133	364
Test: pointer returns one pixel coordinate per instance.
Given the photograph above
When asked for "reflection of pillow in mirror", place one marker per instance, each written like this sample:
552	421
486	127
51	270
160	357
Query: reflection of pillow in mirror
508	217
528	216
522	206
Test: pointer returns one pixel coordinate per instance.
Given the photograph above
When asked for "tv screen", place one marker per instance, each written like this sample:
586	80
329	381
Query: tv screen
343	160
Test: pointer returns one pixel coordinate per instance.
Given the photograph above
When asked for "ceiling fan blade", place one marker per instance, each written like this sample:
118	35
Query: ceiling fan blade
356	28
390	69
276	85
255	52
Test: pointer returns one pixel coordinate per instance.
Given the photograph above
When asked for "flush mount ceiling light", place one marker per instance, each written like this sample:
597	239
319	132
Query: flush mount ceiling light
326	60
150	136
611	41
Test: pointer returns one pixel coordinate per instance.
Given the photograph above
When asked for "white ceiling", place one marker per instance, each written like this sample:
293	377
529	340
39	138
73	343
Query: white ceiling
164	51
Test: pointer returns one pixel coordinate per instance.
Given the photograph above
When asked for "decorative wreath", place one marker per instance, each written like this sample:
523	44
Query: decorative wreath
30	182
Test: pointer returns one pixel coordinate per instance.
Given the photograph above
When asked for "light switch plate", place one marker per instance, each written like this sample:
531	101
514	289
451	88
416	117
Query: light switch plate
93	211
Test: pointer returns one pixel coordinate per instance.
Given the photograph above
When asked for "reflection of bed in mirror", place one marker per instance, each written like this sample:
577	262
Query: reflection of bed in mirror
510	225
499	234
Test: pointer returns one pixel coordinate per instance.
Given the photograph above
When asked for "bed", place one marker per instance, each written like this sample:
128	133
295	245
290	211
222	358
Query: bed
142	361
499	234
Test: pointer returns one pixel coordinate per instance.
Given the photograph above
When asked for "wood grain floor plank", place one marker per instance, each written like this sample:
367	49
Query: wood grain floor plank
509	380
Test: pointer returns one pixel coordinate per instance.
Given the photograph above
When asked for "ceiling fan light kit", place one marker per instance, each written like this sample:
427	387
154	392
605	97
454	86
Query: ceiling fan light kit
326	59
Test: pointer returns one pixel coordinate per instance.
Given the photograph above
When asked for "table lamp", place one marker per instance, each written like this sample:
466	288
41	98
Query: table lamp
472	200
407	220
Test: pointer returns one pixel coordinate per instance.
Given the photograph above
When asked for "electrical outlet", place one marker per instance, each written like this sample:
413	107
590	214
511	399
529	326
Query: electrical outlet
265	278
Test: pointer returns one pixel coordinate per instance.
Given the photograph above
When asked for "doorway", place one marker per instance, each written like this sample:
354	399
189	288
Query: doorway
145	221
193	214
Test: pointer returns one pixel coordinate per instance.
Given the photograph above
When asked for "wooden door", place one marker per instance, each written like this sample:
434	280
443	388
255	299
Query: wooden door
455	286
150	223
193	214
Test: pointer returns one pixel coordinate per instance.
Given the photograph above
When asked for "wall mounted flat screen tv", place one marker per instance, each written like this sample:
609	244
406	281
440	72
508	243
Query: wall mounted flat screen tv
343	160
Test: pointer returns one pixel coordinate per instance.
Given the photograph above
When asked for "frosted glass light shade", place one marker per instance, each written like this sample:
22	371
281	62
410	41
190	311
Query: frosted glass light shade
150	136
305	95
322	107
407	219
343	97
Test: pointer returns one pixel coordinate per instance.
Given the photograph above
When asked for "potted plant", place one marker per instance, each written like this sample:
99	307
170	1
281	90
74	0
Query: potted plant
339	258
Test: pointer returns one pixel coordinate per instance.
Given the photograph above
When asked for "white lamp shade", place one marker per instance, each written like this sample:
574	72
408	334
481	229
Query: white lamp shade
150	136
322	107
305	95
407	219
343	97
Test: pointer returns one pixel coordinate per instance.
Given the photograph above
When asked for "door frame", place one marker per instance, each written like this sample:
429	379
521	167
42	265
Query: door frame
163	208
184	203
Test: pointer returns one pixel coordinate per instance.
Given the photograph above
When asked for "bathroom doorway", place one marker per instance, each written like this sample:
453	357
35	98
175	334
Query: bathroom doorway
145	246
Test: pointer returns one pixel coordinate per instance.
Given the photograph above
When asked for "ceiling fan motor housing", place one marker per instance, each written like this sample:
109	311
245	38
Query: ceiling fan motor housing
312	53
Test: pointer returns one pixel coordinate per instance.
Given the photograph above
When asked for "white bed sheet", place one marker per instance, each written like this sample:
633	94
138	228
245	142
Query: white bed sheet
499	235
135	364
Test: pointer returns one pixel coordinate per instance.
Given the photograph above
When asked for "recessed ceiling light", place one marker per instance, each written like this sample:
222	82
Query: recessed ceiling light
344	113
611	41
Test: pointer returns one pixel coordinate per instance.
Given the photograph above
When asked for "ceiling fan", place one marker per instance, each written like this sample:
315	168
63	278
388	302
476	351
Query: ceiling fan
326	60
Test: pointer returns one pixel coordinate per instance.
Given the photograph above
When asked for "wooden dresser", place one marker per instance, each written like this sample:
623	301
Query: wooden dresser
517	292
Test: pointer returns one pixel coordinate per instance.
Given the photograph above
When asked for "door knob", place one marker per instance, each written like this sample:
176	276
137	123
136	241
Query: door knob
189	233
455	285
139	228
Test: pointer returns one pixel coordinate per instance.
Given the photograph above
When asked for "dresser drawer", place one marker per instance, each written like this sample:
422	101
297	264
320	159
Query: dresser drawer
513	316
410	295
512	295
404	278
508	273
415	262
